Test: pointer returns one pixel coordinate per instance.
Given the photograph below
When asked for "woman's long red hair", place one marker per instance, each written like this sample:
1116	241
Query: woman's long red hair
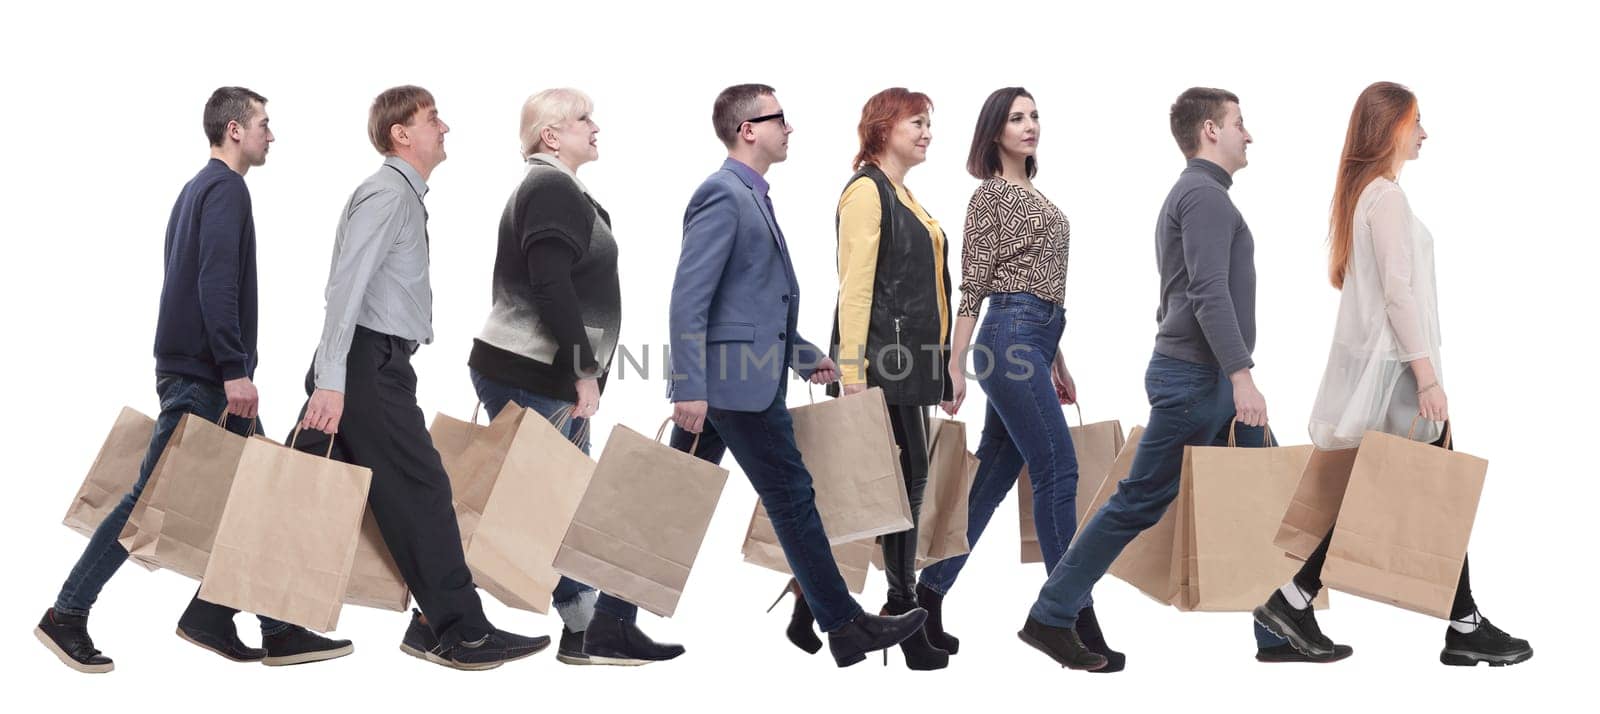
1378	125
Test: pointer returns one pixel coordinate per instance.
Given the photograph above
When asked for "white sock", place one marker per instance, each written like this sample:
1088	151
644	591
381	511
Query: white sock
1298	599
577	612
1467	624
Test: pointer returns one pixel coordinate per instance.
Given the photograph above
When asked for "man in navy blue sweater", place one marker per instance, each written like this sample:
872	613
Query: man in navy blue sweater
205	352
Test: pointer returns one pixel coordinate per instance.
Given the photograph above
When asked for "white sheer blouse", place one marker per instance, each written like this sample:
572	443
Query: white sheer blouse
1388	316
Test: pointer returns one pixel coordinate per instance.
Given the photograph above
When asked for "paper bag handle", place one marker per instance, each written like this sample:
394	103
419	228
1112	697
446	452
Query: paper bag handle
296	436
1412	432
563	418
1080	412
663	430
222	421
1266	433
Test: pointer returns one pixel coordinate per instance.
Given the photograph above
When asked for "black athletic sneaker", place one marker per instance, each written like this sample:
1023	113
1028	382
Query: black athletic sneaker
298	645
487	652
1287	653
610	640
419	637
1297	626
570	650
67	636
1485	644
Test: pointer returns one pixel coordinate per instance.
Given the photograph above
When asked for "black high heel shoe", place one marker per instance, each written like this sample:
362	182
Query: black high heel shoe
921	655
800	631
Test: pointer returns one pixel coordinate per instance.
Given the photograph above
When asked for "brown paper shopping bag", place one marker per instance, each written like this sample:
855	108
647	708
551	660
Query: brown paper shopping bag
761	548
849	449
175	519
1402	531
286	542
1096	446
1228	509
1315	505
375	580
113	473
639	527
942	524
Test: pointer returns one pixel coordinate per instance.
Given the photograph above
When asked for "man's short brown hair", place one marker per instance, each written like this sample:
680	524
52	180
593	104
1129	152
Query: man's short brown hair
1190	112
734	106
394	106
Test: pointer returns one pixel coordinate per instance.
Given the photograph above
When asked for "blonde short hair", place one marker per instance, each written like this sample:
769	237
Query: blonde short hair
549	108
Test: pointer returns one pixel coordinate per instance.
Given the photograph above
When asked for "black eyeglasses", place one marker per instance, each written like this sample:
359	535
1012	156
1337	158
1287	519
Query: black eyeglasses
768	117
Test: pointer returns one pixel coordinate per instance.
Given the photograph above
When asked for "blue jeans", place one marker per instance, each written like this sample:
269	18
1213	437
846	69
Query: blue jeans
763	444
1190	405
103	555
1022	423
495	396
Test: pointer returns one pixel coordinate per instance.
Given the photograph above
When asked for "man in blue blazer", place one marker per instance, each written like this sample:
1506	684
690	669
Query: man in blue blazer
735	305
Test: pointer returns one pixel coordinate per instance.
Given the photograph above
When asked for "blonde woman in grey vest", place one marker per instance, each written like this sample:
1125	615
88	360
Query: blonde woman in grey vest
552	333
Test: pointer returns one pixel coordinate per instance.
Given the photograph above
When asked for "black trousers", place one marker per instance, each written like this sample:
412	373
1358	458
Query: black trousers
1310	576
910	427
384	430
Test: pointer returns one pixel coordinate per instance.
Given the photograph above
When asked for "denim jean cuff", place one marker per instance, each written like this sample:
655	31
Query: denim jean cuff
855	612
276	628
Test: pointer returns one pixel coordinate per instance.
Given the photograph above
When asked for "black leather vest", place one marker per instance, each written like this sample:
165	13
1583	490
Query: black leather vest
905	355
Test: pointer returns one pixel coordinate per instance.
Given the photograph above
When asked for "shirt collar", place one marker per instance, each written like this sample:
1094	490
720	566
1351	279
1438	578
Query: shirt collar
413	177
1213	170
750	176
551	160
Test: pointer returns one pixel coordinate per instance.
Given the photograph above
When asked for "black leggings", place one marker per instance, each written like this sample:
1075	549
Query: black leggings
1310	576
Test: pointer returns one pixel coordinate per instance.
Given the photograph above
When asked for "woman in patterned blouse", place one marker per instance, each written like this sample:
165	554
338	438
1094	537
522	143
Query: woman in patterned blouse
1014	254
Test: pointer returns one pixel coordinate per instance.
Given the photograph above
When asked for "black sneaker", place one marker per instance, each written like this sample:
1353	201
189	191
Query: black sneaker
570	650
1287	653
419	637
1485	644
610	640
209	626
298	645
487	652
1297	626
68	637
1061	643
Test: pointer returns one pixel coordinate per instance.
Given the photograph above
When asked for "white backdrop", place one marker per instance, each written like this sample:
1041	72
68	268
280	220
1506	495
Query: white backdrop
102	121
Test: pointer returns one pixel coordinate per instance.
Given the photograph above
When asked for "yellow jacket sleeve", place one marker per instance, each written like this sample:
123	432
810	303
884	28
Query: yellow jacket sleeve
860	215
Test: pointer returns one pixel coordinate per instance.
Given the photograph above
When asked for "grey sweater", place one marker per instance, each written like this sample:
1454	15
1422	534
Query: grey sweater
1206	256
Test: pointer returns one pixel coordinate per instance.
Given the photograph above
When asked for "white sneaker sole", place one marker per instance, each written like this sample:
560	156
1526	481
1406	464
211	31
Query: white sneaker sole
67	660
309	657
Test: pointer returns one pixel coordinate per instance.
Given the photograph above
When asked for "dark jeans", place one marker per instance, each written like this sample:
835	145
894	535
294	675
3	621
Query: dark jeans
103	555
763	443
1310	576
383	429
1190	405
495	396
910	427
1023	423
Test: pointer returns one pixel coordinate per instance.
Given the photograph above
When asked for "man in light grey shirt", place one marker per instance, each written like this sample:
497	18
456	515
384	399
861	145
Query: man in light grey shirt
380	308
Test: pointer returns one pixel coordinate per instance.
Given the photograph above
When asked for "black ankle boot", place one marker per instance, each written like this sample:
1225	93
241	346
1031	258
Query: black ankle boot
920	654
1088	627
933	602
868	633
800	631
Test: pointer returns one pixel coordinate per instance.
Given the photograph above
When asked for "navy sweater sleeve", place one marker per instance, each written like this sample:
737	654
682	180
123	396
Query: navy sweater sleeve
224	215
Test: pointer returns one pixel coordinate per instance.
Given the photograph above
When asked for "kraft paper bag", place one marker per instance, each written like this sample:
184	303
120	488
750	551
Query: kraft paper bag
1403	528
286	543
942	523
1228	511
848	446
175	519
1315	505
375	580
1096	446
114	472
761	548
641	522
